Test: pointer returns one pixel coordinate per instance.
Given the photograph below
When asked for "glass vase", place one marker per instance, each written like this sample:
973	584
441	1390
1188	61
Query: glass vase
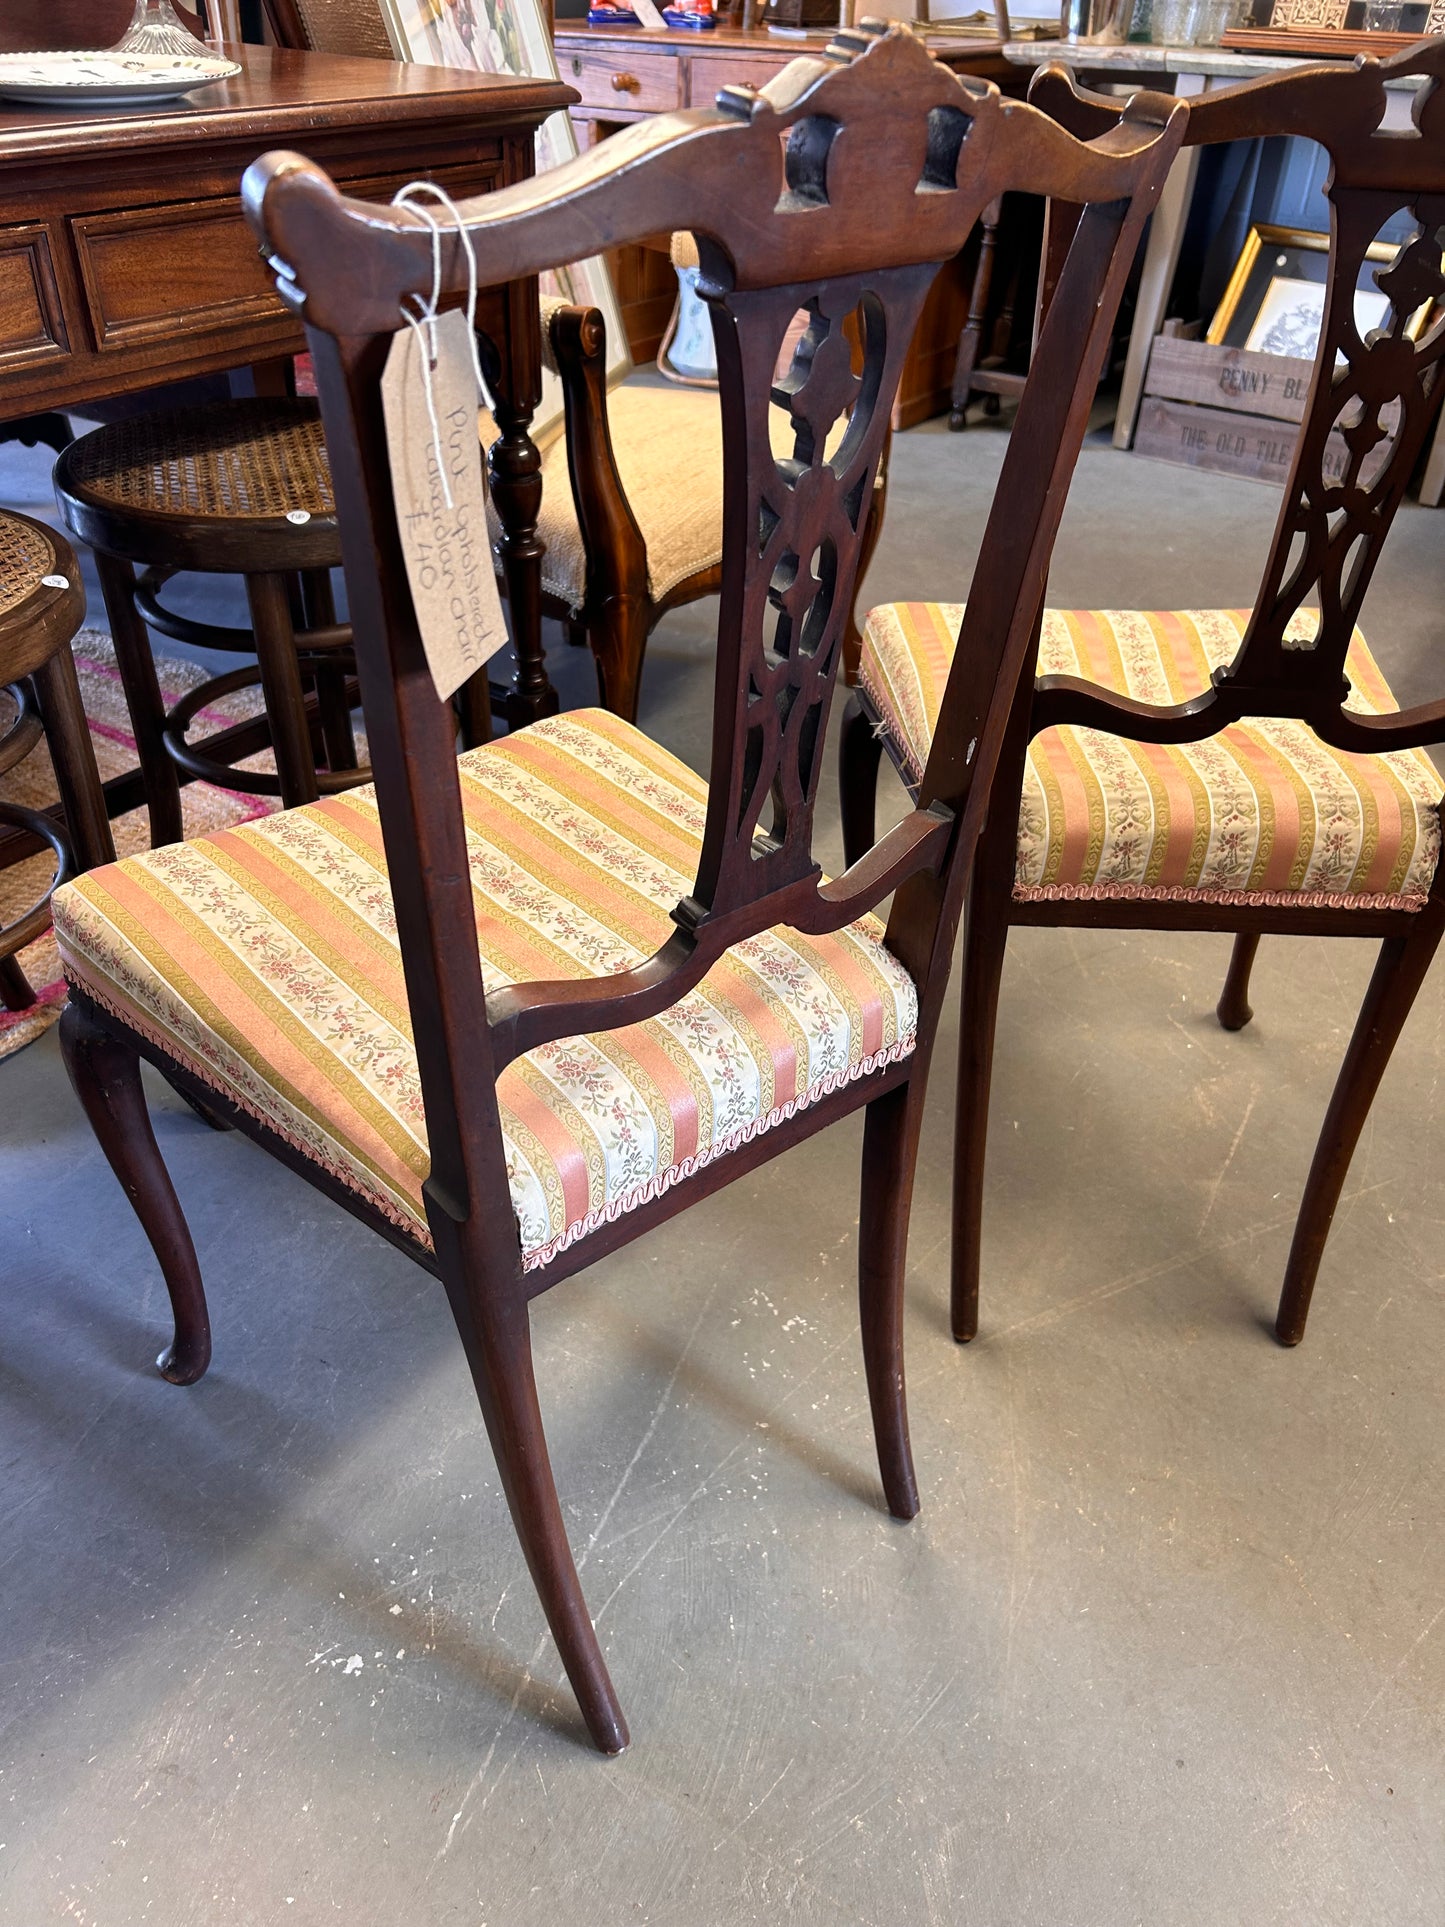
156	28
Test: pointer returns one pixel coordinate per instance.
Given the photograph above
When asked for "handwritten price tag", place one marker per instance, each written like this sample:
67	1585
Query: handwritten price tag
446	547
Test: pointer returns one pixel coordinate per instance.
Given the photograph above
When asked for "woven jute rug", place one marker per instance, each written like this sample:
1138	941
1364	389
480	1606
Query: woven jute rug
32	782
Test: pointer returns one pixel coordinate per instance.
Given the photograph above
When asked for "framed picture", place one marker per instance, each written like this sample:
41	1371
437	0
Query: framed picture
512	37
1275	301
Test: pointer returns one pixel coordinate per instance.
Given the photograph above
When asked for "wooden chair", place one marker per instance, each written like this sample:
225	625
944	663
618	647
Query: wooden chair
1287	694
42	605
594	985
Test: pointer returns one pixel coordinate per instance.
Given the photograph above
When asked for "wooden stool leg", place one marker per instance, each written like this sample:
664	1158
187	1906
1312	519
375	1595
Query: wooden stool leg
337	735
57	697
106	1075
143	698
281	685
971	340
15	991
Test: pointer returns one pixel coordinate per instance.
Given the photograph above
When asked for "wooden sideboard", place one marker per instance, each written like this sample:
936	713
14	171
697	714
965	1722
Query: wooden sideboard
624	74
126	260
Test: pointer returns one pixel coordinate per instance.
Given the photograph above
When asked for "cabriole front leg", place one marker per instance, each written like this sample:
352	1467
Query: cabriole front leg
105	1072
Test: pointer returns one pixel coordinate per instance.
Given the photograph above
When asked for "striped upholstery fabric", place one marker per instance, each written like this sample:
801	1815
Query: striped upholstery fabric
1262	812
265	958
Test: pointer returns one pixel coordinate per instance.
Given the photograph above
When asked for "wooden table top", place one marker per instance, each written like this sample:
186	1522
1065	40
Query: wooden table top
280	94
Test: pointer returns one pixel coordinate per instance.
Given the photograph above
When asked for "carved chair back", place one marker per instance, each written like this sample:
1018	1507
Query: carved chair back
837	190
1381	391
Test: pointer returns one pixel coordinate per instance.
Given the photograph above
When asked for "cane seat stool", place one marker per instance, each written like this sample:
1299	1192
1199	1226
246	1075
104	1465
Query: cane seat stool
42	605
233	487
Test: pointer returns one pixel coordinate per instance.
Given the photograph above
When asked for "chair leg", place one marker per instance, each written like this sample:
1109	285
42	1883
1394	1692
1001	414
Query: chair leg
618	635
496	1334
105	1072
1398	974
67	735
15	990
859	754
143	698
1233	1009
271	624
984	942
890	1156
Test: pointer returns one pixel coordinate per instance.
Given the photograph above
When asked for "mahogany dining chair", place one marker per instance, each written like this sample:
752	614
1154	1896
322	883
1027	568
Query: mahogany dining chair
1217	769
562	970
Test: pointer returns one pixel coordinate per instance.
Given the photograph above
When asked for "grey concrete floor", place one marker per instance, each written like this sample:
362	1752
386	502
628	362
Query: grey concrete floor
1164	1646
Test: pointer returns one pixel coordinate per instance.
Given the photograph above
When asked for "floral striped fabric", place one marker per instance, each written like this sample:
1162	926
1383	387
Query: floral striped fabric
1262	812
266	959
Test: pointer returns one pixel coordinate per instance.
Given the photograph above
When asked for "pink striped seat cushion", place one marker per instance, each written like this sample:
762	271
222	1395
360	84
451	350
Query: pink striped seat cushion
1263	812
265	958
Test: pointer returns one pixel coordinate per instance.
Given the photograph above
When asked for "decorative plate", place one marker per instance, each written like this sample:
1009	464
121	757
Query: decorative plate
107	79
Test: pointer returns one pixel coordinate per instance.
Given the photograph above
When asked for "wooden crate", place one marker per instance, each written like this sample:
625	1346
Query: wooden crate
1207	406
1197	371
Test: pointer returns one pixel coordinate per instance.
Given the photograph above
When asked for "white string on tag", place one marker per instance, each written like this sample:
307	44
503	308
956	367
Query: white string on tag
423	322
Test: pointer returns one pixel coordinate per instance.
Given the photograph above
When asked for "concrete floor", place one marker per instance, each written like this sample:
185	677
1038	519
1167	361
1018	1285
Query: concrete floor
1164	1646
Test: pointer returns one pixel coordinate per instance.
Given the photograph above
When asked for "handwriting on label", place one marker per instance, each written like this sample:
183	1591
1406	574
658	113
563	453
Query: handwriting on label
445	545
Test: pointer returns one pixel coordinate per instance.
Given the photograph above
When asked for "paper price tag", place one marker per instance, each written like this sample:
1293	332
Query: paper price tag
447	550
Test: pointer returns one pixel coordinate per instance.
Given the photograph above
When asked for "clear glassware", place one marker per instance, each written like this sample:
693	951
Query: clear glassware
156	28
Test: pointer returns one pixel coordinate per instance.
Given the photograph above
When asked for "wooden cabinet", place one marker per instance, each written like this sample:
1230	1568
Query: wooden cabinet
623	74
125	258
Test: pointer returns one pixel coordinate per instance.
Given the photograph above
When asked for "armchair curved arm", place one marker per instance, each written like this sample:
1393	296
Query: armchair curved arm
523	1016
616	554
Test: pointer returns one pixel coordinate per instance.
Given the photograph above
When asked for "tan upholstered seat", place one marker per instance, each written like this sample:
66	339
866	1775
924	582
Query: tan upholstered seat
1263	811
266	960
668	447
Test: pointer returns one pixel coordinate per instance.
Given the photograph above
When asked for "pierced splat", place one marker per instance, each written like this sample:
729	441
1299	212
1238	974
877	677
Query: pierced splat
784	631
1378	394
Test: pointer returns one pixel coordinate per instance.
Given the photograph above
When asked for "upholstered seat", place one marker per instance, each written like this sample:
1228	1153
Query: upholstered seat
668	447
266	960
1264	811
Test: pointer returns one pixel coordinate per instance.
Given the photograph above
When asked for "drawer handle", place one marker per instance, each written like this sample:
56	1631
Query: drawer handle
626	84
577	65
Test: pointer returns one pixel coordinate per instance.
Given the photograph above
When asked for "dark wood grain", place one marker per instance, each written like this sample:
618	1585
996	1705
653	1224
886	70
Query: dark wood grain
889	162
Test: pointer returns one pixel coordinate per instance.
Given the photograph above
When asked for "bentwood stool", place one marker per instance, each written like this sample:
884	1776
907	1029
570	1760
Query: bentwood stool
232	488
42	604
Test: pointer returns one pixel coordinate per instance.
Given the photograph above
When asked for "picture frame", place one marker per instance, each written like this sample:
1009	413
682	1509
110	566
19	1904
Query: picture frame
514	37
1278	285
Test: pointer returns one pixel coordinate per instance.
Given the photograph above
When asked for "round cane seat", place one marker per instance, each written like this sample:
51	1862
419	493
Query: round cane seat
238	487
41	601
27	554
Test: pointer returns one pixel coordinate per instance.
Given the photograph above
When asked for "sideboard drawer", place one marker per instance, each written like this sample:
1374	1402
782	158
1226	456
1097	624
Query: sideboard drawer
710	73
616	77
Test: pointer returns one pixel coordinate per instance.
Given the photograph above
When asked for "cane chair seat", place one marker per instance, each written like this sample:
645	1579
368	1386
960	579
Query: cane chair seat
235	484
28	553
266	960
1262	812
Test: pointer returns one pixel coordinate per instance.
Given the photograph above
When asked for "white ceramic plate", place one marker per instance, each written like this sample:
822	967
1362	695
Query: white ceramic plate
107	79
